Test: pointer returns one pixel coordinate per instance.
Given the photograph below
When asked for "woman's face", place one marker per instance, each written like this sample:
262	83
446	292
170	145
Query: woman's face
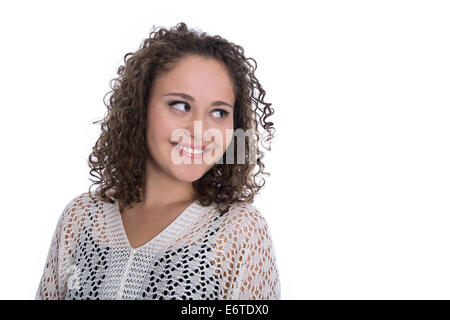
192	105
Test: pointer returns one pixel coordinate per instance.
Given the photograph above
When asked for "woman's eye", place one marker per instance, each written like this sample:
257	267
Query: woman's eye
183	107
175	104
221	115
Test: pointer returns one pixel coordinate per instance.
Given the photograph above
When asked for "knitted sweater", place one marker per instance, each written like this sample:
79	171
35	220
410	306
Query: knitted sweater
202	254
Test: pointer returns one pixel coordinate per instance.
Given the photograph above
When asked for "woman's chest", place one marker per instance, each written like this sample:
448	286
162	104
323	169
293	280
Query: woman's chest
104	272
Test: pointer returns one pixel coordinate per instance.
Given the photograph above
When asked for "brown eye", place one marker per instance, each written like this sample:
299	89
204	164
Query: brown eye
175	105
223	114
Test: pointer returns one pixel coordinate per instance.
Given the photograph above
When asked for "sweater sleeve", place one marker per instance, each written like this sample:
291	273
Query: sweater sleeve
249	266
53	283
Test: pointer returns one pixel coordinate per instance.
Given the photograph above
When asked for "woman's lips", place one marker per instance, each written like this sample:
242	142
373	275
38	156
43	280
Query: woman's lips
185	152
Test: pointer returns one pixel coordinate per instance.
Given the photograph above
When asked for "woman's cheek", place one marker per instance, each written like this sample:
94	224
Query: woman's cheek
228	136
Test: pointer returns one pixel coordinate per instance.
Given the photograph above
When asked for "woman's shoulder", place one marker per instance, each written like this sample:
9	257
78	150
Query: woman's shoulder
244	211
245	217
83	200
80	200
76	207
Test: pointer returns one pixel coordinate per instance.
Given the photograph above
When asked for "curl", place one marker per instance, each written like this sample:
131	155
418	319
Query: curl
117	161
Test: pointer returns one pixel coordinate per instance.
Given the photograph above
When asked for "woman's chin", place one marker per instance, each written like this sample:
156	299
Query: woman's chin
188	173
189	179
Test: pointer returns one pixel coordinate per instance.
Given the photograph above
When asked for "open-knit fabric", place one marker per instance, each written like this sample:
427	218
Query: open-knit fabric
202	254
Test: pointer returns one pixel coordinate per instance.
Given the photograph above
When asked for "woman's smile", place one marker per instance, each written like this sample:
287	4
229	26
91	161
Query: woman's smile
192	152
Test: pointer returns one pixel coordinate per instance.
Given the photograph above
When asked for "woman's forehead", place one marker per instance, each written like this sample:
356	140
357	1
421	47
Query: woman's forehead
197	76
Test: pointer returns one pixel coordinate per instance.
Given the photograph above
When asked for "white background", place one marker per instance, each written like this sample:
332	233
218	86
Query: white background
358	198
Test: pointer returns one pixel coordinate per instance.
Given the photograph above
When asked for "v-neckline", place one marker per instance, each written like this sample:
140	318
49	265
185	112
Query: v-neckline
190	209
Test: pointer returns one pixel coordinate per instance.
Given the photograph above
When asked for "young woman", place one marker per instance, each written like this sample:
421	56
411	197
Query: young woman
173	216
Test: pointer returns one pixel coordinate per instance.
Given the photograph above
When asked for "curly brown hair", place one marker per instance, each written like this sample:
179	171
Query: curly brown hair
119	155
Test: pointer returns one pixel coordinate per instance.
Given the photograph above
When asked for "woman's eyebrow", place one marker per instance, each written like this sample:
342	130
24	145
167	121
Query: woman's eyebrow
189	97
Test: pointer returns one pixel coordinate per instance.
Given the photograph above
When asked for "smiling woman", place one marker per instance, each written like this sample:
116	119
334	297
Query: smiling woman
198	84
156	228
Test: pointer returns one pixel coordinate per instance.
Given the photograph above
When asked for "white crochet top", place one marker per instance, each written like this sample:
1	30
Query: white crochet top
202	254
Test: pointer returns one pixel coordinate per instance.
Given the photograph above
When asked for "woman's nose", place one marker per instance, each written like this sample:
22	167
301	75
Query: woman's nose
195	128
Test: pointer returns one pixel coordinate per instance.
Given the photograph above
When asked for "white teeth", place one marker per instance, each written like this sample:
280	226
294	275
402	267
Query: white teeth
190	150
